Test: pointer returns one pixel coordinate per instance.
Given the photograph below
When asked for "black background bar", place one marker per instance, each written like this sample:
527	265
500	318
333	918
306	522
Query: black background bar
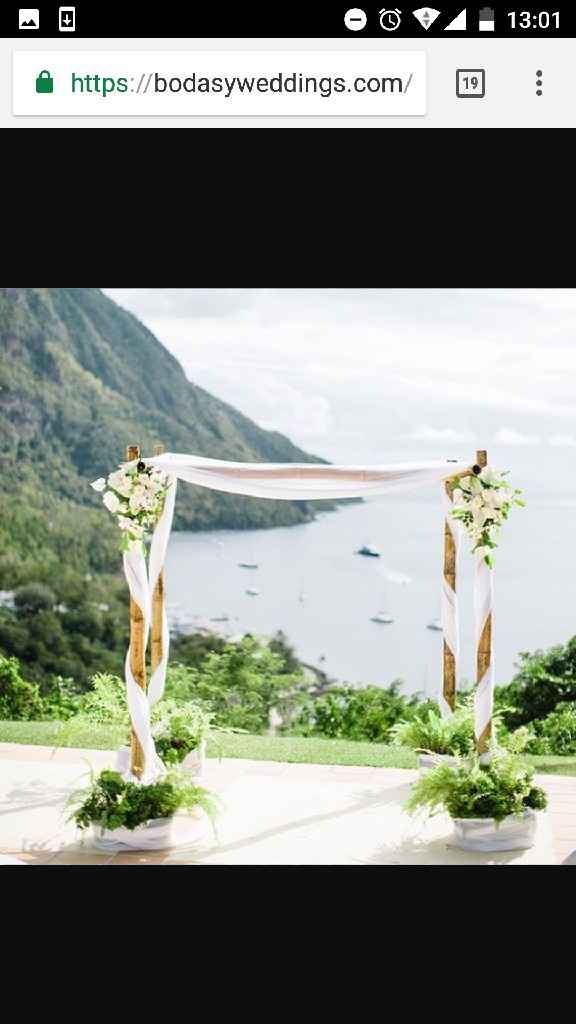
281	19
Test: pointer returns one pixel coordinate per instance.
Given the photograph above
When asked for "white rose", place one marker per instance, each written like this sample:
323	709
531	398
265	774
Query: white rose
137	499
111	501
490	476
98	484
121	483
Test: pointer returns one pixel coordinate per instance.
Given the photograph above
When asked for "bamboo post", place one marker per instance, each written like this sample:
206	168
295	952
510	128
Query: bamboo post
484	649
137	655
157	606
449	657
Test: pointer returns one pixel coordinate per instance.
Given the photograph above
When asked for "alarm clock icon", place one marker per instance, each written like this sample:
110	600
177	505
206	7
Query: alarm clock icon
390	19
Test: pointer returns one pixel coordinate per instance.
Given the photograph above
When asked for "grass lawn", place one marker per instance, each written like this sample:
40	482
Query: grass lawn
257	748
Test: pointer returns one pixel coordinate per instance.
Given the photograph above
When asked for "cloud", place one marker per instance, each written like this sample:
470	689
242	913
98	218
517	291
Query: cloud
514	437
563	440
433	434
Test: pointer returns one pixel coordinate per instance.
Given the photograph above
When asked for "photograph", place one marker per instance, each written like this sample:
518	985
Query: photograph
287	577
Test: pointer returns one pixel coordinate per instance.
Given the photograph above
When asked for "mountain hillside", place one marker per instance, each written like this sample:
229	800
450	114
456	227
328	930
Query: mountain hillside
80	378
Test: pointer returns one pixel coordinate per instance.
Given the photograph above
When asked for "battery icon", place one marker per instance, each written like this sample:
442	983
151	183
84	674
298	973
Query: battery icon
487	19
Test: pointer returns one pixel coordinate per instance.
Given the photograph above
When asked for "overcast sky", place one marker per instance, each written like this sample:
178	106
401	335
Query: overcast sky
358	375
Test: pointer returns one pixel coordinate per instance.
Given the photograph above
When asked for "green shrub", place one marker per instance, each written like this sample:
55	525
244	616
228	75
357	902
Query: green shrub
178	729
473	790
544	679
433	734
33	598
425	730
111	802
61	699
241	684
555	734
346	712
106	702
18	699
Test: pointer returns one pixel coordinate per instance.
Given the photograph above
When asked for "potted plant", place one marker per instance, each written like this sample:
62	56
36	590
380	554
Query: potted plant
492	805
436	739
440	740
129	815
180	732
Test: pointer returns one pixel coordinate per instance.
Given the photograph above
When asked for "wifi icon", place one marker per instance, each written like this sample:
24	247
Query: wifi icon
426	16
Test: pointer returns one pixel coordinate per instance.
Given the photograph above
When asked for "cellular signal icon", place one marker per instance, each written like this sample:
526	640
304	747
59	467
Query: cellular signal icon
426	16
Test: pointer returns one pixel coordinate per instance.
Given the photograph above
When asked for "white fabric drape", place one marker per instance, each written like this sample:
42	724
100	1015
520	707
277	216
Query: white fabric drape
449	606
282	481
483	602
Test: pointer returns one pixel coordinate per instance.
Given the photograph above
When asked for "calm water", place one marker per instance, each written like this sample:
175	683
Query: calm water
535	582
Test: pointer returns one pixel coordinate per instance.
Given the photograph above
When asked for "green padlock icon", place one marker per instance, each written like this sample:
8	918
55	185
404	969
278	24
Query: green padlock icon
44	82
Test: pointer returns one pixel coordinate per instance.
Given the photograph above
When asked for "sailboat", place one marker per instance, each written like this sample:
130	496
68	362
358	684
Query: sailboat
382	616
251	562
252	591
435	624
369	551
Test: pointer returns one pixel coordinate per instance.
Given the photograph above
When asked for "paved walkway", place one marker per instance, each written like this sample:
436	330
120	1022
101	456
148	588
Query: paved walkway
35	781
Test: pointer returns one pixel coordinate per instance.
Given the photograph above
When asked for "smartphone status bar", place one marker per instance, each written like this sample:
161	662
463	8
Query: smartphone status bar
293	21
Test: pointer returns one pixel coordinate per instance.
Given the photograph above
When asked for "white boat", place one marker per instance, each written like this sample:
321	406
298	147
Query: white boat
369	551
248	565
252	591
381	617
435	624
220	618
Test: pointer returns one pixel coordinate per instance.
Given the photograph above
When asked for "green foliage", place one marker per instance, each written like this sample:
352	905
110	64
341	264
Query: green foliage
33	598
431	733
240	684
178	729
473	790
18	698
61	699
426	731
106	702
555	734
79	379
544	679
111	802
346	712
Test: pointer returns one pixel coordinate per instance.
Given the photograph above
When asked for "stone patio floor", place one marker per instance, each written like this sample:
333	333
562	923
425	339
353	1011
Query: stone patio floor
34	782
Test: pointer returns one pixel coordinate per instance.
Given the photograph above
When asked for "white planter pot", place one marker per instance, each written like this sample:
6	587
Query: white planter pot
194	761
484	835
428	761
157	834
122	760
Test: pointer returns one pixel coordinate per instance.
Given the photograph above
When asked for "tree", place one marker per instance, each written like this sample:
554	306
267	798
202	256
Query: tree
33	598
544	679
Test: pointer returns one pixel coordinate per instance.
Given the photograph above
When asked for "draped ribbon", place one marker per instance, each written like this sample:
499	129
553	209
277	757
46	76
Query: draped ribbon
449	604
281	481
142	581
483	601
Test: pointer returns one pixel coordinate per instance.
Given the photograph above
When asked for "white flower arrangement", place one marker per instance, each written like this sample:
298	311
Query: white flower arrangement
481	504
135	494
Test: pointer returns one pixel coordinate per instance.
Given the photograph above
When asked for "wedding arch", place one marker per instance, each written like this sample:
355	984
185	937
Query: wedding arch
289	482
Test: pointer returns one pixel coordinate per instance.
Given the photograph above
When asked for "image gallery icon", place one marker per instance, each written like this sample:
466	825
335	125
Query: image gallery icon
28	18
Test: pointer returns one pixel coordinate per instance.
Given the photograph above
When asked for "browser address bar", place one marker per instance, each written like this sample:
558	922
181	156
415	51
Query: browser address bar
219	83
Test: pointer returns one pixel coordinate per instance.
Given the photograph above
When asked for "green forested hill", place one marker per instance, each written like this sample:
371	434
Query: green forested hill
80	378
